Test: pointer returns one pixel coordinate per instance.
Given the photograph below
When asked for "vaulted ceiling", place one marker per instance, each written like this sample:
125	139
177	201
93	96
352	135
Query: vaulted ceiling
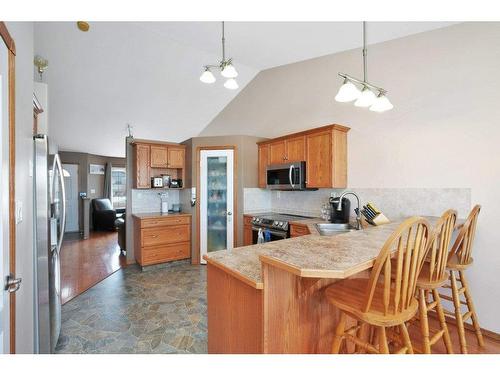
146	73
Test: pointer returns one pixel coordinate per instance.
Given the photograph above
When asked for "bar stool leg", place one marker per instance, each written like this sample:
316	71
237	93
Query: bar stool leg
339	333
470	305
424	323
406	338
458	313
382	341
442	322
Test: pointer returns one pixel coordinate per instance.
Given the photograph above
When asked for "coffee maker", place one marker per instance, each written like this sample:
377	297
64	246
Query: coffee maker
340	216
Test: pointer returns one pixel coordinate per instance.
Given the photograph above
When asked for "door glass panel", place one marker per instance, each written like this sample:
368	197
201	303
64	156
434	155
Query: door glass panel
216	203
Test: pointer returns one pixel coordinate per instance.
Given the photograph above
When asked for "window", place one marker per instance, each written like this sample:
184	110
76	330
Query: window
118	187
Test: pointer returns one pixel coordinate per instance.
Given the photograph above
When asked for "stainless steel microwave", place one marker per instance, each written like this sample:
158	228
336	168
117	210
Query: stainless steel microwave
289	176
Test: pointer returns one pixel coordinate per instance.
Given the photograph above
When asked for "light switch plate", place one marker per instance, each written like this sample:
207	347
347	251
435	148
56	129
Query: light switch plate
92	191
19	212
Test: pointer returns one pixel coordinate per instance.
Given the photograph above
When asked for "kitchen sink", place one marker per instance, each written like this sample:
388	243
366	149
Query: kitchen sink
332	229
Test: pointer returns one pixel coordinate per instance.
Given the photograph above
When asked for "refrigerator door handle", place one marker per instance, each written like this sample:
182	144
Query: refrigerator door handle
57	163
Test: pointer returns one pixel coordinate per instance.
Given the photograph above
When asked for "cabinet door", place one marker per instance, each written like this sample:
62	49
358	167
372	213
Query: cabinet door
319	160
263	163
296	149
247	235
176	157
159	156
277	152
142	179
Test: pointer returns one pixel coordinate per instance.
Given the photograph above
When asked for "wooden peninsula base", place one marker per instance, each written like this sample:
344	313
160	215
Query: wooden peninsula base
287	314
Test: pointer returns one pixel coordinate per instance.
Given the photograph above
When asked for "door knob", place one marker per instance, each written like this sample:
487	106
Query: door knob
12	285
229	213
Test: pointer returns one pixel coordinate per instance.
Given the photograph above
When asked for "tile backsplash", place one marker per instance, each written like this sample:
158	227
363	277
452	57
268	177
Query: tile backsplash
394	202
148	200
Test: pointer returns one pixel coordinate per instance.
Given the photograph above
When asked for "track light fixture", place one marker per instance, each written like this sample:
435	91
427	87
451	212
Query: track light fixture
369	95
227	70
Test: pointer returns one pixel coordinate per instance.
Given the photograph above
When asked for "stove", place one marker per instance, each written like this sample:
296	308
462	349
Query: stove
276	223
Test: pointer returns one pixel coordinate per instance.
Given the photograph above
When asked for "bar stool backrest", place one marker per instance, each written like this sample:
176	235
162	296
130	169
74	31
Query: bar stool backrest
409	245
439	244
463	244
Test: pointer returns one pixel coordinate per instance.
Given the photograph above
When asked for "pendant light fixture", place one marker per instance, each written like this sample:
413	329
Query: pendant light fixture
227	70
369	95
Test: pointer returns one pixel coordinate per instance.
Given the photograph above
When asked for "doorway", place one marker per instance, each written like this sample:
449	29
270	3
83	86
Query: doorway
70	173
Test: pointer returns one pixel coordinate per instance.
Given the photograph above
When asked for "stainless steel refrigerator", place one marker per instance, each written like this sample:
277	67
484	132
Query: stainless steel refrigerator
50	217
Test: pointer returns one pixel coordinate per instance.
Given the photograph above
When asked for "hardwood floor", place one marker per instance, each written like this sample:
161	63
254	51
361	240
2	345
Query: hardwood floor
491	346
84	263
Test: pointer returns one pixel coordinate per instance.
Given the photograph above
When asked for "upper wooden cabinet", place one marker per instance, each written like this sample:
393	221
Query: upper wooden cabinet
176	157
295	149
154	159
141	166
323	149
263	163
287	150
159	156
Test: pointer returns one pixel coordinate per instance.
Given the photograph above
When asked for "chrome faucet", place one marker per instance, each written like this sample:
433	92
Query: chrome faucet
358	212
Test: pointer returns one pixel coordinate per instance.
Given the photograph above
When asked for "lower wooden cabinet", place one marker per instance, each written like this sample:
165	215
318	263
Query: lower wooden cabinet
297	230
247	230
162	239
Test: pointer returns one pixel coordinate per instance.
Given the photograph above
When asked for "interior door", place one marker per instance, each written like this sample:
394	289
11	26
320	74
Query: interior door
70	173
216	201
4	199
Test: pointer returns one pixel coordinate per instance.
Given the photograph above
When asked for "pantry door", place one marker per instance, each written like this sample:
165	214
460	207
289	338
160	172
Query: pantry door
216	201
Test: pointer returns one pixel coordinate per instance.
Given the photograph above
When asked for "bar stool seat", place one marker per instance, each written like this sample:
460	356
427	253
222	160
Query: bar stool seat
455	264
350	296
424	278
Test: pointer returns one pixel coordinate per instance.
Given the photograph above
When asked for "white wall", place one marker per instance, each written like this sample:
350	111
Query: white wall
22	32
443	132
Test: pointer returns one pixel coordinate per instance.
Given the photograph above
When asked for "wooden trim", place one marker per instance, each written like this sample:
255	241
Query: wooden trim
195	258
9	42
149	142
306	132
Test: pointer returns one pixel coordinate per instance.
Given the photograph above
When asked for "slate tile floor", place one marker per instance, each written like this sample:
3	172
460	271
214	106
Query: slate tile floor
159	310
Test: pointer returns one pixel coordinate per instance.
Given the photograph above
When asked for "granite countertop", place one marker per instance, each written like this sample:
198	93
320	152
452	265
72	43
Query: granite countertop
312	255
155	215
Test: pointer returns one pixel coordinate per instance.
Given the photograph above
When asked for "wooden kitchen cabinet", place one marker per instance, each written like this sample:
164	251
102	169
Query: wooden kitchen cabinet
176	157
323	149
263	163
159	156
247	230
161	239
295	149
153	159
141	166
277	152
297	230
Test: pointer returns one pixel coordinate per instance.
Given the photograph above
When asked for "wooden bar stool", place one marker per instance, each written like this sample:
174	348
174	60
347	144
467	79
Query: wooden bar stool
380	302
433	276
459	259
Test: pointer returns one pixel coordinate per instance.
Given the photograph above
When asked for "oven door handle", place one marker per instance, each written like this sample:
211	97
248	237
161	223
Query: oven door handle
290	172
275	232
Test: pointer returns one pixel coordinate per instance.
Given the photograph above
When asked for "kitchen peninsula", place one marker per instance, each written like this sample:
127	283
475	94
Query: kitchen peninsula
268	298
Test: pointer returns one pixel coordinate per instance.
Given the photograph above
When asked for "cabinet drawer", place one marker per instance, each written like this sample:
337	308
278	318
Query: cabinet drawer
165	235
165	253
298	230
162	221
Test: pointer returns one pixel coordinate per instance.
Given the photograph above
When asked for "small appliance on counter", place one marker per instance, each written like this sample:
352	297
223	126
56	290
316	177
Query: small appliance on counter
176	183
176	207
340	216
164	202
156	182
166	180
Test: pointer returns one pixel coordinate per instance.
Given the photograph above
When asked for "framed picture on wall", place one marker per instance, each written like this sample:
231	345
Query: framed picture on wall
97	169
